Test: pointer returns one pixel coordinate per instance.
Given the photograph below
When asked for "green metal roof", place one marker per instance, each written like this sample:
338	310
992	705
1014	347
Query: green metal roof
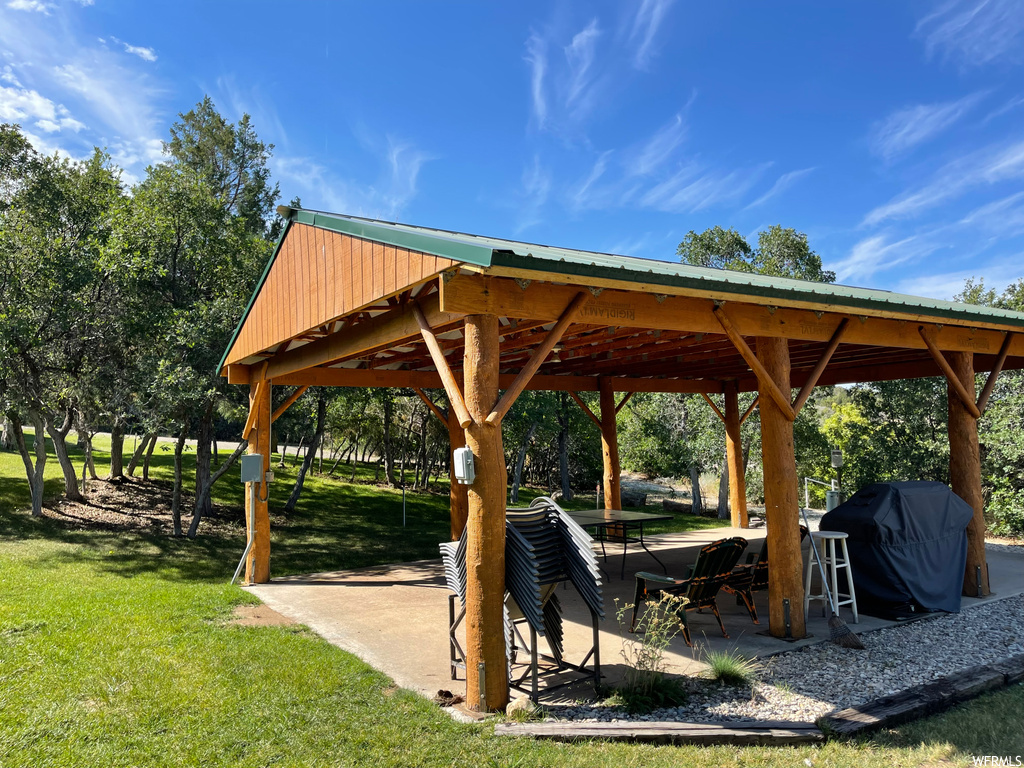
498	252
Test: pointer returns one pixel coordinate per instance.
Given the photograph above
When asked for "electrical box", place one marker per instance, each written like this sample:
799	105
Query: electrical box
465	471
837	458
252	468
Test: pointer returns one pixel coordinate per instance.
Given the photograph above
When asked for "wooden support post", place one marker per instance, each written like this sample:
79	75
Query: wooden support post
965	469
485	526
609	446
765	385
257	565
782	505
734	455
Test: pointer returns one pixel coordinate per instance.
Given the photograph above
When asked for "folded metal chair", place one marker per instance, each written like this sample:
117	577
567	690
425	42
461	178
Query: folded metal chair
714	564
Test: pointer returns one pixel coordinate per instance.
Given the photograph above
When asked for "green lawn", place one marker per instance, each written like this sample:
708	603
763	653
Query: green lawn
114	651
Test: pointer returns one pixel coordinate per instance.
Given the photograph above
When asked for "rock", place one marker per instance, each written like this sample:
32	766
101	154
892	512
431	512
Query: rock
632	498
521	704
676	507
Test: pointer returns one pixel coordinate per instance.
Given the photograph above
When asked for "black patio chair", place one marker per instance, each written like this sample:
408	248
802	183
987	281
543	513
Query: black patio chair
715	562
752	577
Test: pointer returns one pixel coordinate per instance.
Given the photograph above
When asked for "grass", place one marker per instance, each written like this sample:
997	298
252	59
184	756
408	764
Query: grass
115	650
730	668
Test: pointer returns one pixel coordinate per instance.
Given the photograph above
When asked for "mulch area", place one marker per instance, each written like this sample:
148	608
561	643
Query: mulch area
137	505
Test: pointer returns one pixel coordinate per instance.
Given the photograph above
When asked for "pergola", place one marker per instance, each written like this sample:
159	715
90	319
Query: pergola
346	301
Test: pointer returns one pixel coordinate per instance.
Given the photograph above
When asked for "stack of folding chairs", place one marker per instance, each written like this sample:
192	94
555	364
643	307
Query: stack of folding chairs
544	547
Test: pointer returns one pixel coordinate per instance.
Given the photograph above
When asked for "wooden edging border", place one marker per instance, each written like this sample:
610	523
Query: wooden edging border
923	700
911	704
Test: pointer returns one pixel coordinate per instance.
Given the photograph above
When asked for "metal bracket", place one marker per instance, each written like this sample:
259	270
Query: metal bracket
596	291
660	297
523	283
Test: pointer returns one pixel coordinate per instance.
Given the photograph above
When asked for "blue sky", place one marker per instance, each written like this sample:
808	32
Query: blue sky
892	133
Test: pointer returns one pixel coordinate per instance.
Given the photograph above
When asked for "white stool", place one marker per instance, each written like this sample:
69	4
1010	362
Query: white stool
825	545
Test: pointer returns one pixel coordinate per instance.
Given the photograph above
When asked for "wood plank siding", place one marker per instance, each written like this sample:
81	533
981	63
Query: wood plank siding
319	276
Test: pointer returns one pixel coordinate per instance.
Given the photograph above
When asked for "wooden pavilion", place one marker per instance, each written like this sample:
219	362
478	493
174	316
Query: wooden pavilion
346	301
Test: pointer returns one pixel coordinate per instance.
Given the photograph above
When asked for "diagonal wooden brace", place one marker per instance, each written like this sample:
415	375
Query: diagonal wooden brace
750	409
967	398
537	358
586	410
808	387
747	353
288	403
431	405
451	386
714	407
990	384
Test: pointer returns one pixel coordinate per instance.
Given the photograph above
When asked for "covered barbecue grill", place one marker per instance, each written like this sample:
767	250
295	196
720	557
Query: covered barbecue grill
908	547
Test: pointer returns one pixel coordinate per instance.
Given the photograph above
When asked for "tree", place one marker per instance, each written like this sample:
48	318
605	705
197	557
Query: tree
780	252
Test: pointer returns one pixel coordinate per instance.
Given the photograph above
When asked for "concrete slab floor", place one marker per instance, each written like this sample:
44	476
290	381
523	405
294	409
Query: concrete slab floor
395	617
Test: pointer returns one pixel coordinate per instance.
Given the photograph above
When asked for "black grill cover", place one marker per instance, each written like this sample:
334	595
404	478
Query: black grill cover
908	547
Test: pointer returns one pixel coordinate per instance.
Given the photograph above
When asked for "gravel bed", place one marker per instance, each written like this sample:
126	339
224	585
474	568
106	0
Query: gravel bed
810	682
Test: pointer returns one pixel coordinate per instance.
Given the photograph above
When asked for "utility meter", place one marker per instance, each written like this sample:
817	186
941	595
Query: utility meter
252	468
465	472
837	458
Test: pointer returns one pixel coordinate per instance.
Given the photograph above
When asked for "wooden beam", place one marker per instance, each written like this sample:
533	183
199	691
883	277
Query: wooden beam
965	472
955	384
734	458
486	664
257	566
767	384
538	356
714	407
812	380
288	402
782	506
392	328
586	410
990	384
623	401
610	448
443	370
545	301
254	411
431	405
750	409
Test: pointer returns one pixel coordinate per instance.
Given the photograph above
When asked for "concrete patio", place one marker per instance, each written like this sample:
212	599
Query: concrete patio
394	617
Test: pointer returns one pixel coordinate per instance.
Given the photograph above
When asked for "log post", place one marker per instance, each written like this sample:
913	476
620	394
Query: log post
965	470
610	446
782	510
459	492
485	524
257	566
734	457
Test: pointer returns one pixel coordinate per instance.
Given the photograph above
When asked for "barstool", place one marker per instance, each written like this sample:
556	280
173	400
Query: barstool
832	562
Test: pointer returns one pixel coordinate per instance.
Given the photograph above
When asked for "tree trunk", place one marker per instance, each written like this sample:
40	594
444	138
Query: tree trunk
33	472
563	446
89	463
298	450
697	500
149	455
117	450
216	452
321	417
7	440
389	458
60	447
284	450
179	446
203	455
140	451
723	490
197	512
520	461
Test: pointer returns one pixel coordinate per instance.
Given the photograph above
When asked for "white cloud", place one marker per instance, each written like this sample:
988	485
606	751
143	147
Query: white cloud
986	166
648	19
33	6
997	275
784	182
587	194
690	190
147	54
24	106
536	188
536	57
910	126
1002	218
655	152
1009	106
876	253
321	187
976	32
579	55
